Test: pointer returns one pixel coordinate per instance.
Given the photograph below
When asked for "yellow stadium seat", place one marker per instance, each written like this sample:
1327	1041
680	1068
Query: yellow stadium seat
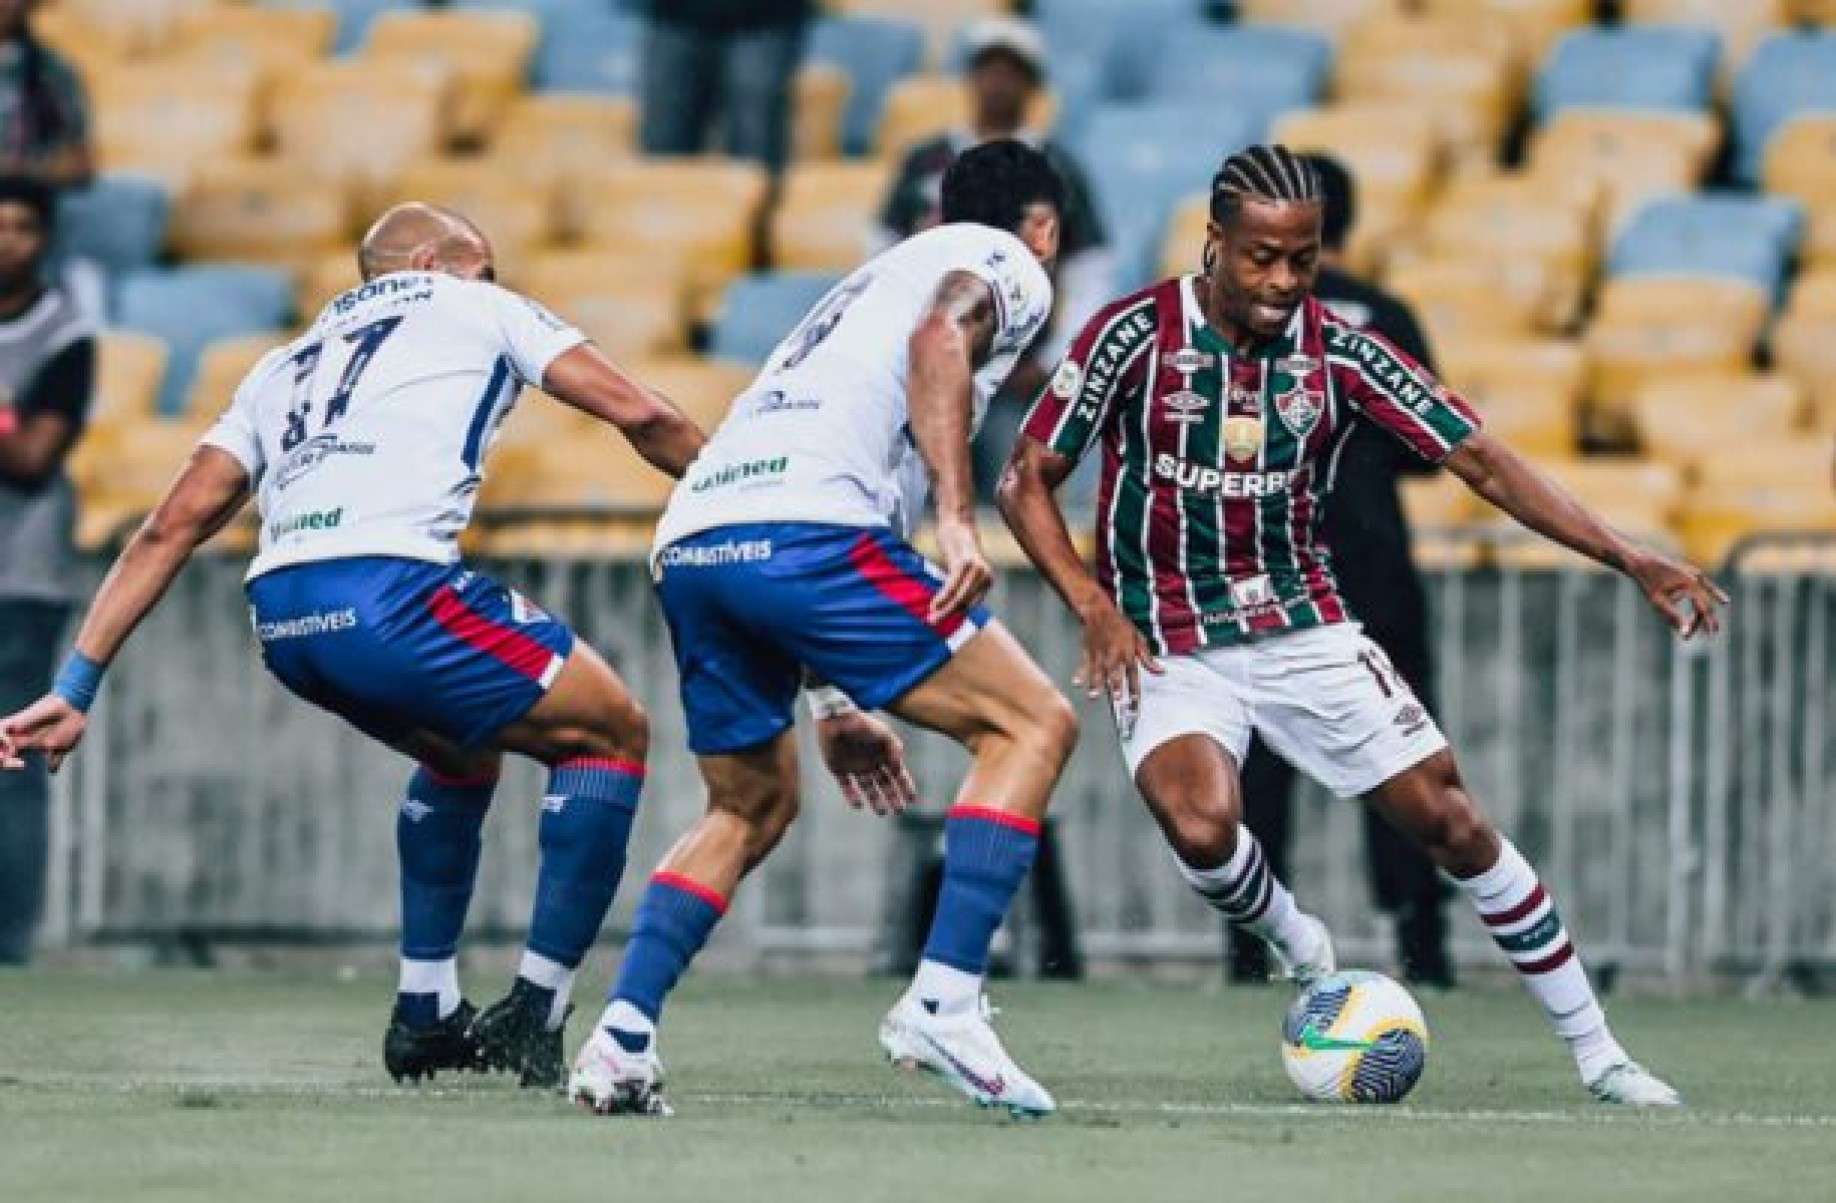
265	41
1462	299
1458	72
1392	152
631	304
1438	502
1332	17
130	368
121	28
1822	12
1766	484
1527	392
820	95
1531	234
1631	494
327	274
1630	155
517	214
595	470
167	121
123	466
703	389
486	52
1800	162
1535	25
257	210
1689	420
827	215
1184	245
352	124
221	369
701	211
1653	327
922	106
555	139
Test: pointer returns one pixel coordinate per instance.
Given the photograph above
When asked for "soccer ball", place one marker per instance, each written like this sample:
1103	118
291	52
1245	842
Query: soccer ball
1354	1037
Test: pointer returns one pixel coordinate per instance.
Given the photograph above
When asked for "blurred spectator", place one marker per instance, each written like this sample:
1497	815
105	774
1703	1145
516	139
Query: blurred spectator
725	63
47	373
1005	70
1369	538
44	118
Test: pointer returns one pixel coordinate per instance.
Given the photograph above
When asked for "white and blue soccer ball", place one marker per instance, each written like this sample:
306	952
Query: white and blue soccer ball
1354	1037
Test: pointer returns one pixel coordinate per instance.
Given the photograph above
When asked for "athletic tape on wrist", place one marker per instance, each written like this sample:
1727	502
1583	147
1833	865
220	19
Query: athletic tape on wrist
826	701
78	681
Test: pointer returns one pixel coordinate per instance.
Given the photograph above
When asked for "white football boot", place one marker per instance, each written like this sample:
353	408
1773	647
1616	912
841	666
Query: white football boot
963	1050
1315	961
1630	1084
612	1080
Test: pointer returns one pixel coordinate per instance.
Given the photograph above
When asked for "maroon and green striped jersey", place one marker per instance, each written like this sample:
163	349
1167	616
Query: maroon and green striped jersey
1215	461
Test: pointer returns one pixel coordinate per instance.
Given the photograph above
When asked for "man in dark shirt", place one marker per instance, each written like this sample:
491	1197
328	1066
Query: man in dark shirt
1370	556
725	62
47	372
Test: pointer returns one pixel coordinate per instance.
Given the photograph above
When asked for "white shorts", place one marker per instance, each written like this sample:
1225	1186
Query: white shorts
1325	699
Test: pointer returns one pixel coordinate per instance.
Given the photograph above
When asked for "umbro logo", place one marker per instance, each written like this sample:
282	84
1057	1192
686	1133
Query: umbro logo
554	804
416	810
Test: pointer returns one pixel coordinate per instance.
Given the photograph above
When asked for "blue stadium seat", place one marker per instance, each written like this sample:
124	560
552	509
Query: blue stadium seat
876	52
1790	73
354	16
590	49
1629	67
1262	70
1143	159
1114	44
117	223
1748	237
757	311
193	306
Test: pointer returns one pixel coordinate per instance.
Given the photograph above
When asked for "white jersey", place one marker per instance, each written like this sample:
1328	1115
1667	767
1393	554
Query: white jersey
366	436
822	434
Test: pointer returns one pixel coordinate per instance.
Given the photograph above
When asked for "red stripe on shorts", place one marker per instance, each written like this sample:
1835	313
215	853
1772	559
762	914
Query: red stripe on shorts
512	648
914	593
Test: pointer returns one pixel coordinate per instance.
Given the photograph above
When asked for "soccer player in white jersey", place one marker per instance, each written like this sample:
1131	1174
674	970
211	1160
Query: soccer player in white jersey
364	440
783	552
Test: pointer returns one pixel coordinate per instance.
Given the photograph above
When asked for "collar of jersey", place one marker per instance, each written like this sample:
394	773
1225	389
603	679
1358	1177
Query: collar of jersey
1203	334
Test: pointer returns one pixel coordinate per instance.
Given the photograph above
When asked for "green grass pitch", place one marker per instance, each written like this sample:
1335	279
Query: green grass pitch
205	1086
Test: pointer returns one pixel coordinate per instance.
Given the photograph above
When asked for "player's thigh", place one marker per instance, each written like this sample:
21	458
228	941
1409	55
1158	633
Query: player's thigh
1190	786
1327	701
988	686
587	711
758	785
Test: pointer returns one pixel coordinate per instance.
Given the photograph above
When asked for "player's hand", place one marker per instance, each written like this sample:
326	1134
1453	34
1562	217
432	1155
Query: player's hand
868	760
967	576
1689	601
50	725
1114	655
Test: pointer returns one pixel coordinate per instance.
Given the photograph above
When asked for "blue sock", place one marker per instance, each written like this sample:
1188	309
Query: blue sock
672	923
586	823
437	844
987	854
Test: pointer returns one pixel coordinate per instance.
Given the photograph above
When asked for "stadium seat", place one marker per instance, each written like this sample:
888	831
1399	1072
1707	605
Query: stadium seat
1653	327
1391	151
1727	235
485	53
123	466
554	140
263	40
1800	162
632	304
875	52
703	210
1459	299
127	28
1155	156
1629	155
1788	75
827	215
1098	50
923	106
399	112
937	20
1803	349
1182	247
354	16
192	306
819	103
703	389
167	120
1765	484
117	222
757	311
1537	237
1332	17
1536	25
1635	496
258	211
1684	421
592	50
1459	72
1528	392
329	273
1633	66
518	214
222	365
1740	24
130	368
1254	72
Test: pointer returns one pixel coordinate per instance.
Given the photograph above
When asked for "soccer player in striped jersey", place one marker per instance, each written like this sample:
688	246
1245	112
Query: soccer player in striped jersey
1219	400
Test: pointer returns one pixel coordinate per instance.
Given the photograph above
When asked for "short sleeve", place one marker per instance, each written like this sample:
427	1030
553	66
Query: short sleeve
65	384
533	336
237	431
1104	358
1396	393
1022	292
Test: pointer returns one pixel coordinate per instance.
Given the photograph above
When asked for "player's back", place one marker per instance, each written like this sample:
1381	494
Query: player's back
821	434
367	434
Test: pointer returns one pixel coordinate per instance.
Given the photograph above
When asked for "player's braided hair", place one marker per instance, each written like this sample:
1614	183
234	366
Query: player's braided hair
1264	172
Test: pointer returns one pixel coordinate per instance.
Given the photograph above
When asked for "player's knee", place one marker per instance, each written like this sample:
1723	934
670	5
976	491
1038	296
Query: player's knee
1202	830
1053	725
1460	838
619	728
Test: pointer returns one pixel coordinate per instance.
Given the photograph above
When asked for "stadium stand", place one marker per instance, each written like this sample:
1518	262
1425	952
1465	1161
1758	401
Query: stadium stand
589	49
758	311
192	306
130	369
1643	67
260	211
875	53
827	215
118	222
1460	73
1250	70
354	17
485	54
1789	74
1738	237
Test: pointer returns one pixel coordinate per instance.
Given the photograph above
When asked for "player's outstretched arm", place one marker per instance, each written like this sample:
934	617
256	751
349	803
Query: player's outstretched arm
207	494
1114	650
1689	601
955	334
584	378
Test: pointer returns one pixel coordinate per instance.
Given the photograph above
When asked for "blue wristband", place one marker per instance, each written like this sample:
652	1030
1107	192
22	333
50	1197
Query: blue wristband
78	681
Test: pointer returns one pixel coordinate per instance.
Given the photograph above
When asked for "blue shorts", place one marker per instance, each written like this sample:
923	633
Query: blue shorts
751	607
395	646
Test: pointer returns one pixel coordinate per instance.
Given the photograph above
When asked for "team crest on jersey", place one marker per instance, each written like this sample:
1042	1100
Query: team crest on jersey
1300	410
1186	406
1067	380
1242	437
1188	360
524	610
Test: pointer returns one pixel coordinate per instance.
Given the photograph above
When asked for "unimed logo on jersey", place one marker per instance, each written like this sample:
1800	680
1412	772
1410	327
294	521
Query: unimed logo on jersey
751	470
